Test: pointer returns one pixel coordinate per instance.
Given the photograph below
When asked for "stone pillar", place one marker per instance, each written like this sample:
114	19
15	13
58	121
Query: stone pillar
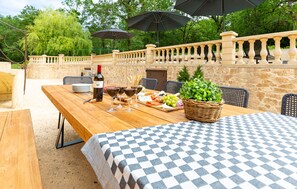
114	57
92	58
17	88
5	67
150	53
43	60
61	59
228	47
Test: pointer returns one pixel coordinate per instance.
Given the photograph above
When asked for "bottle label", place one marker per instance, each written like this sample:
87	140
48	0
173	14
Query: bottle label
98	84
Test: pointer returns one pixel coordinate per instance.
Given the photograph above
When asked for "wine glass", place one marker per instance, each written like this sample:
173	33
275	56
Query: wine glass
121	91
112	91
138	89
129	92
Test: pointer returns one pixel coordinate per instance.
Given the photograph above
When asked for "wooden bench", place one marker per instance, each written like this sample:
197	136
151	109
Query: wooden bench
19	167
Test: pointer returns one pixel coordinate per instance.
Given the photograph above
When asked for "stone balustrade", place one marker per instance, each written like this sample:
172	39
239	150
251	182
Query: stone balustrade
189	53
131	57
254	49
230	49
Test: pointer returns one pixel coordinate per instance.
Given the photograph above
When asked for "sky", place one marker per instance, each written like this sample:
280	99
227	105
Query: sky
14	7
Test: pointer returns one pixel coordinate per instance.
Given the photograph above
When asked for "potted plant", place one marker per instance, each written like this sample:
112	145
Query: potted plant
202	100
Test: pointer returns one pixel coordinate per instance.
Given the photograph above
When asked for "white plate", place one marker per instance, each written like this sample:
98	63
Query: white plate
81	87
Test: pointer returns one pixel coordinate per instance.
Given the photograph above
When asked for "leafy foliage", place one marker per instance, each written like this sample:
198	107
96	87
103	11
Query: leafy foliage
12	31
270	16
198	73
201	90
55	32
183	75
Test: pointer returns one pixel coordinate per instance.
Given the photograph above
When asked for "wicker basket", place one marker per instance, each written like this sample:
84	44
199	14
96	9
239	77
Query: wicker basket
202	111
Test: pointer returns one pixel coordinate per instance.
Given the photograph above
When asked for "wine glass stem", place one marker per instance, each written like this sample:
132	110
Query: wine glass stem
136	103
129	104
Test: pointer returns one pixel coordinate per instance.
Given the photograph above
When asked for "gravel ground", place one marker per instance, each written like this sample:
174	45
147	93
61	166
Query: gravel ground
60	168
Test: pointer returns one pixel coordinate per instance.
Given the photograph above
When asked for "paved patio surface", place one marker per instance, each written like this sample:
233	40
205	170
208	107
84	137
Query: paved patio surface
63	168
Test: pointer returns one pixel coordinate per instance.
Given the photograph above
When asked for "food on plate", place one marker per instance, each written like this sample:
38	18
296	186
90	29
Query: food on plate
148	93
170	100
153	103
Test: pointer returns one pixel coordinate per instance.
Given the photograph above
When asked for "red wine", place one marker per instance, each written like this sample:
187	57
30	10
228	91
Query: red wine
112	91
137	88
130	92
98	85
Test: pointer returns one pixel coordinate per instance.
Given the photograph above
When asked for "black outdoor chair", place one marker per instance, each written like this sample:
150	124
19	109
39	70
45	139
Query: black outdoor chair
149	83
289	105
173	86
68	80
235	96
257	49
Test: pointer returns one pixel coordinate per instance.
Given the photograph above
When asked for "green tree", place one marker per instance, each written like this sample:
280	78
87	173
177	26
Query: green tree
270	16
55	32
12	31
198	73
183	75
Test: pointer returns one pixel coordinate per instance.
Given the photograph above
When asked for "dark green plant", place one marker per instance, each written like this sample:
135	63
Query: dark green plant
198	73
183	75
201	90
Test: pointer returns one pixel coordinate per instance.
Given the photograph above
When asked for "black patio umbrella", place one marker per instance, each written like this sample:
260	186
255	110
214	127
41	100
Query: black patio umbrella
112	33
157	21
214	7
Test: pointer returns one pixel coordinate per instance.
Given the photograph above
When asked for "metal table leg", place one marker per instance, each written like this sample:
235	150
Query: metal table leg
60	137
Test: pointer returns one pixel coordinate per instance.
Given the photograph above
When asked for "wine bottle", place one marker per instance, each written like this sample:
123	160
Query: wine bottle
98	85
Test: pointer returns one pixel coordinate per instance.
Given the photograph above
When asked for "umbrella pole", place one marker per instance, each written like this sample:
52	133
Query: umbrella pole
224	23
158	43
223	11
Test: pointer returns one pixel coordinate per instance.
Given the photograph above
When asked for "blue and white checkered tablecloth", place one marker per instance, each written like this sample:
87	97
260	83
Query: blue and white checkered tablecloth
246	151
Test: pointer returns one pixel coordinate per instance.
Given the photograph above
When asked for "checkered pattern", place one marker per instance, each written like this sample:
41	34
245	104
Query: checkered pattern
246	151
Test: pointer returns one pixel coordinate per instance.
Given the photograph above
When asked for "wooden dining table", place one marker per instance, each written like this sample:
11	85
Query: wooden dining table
92	118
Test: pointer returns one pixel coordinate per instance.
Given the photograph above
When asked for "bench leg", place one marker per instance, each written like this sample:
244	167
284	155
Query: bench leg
59	120
60	137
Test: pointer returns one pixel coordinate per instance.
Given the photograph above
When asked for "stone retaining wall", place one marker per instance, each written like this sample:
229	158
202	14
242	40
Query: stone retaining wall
266	84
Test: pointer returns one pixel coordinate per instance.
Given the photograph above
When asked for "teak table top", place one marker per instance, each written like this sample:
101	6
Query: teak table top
92	118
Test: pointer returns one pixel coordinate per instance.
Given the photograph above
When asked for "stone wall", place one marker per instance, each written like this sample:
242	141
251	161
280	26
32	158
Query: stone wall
266	83
11	85
54	71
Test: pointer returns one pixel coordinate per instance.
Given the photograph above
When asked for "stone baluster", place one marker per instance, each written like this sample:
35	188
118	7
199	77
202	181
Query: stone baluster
263	52
177	55
155	56
209	55
126	58
137	54
251	52
218	55
277	51
142	57
202	55
189	54
167	56
183	54
159	56
292	51
195	53
163	56
172	55
240	53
